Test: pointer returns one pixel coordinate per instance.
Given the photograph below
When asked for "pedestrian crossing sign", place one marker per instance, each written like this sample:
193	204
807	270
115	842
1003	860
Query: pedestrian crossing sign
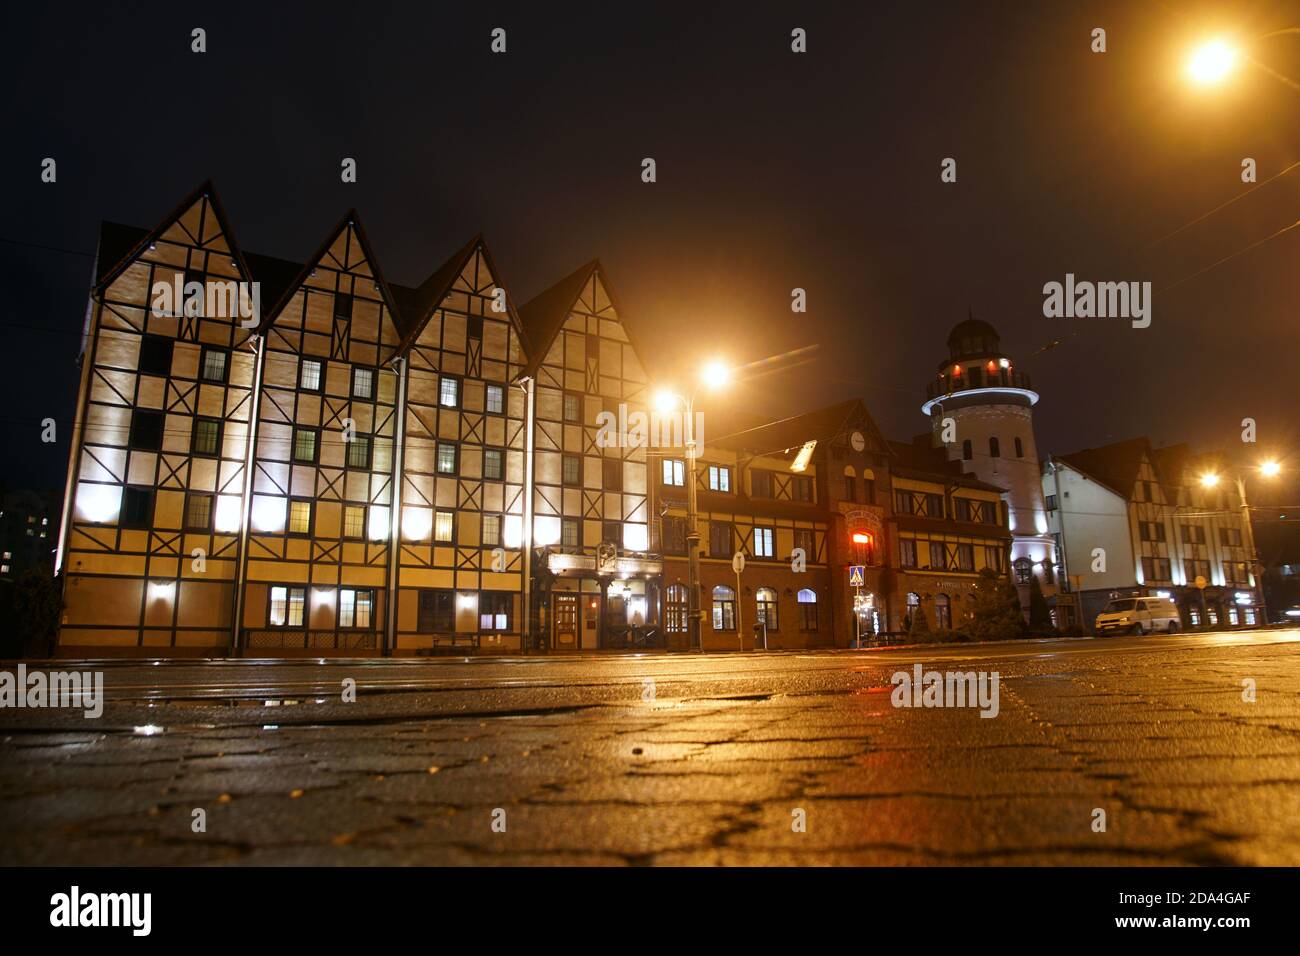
855	575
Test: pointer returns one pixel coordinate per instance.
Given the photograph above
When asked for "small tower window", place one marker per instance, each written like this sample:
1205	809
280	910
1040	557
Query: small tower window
967	453
995	450
1020	448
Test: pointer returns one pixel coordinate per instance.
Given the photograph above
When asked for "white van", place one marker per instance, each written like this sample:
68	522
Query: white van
1139	615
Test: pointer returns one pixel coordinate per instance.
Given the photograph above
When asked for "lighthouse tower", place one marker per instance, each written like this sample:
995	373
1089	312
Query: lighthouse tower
981	411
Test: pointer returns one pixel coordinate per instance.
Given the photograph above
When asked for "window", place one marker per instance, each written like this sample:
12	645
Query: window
724	608
309	375
449	392
446	458
213	366
612	474
137	508
993	559
674	535
719	478
444	525
961	509
807	601
304	444
354	521
343	305
363	383
1052	503
571	470
907	552
674	472
850	488
612	531
995	449
676	609
300	516
803	539
934	506
903	503
1230	537
356	607
1152	530
198	512
474	327
494	611
207	436
287	605
572	407
965	557
720	539
1194	534
1024	569
766	600
764	544
146	430
437	611
156	355
760	483
492	467
359	452
943	611
803	488
869	490
491	530
1020	448
494	401
570	533
967	453
938	556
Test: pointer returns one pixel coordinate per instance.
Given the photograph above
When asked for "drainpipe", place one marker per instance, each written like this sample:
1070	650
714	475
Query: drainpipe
246	509
529	386
395	512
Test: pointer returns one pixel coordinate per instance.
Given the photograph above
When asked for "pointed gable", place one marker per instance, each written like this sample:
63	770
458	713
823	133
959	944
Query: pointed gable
193	243
338	306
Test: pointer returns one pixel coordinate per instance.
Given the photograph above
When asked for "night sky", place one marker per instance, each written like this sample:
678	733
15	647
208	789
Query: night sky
775	171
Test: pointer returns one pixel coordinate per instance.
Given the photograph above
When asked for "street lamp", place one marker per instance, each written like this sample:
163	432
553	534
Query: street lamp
713	376
1269	469
1211	62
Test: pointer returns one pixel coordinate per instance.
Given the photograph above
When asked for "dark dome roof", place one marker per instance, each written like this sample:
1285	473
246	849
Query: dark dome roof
972	330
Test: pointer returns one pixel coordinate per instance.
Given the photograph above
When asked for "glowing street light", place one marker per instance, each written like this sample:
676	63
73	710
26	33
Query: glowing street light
1211	62
1270	469
715	374
1209	479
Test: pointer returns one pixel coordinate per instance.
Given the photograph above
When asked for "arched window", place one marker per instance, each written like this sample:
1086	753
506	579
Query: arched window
675	609
1020	448
807	599
724	608
766	599
995	450
943	611
967	453
1024	569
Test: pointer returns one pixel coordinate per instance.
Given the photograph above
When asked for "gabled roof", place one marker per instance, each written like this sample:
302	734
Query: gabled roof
420	303
824	424
544	314
1115	466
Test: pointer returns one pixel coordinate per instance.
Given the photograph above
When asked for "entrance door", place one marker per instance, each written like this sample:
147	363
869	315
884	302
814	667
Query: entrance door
565	617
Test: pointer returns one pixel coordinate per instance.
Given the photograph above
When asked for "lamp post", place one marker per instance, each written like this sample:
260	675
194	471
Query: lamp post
1268	469
714	376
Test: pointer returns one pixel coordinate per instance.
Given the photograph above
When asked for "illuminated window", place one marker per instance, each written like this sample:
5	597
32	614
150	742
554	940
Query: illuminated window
724	608
943	611
299	517
766	600
494	609
674	472
363	383
448	392
207	436
446	458
492	530
764	546
304	444
382	454
214	364
570	533
495	400
354	521
719	478
676	609
198	512
492	467
355	607
444	524
287	604
309	375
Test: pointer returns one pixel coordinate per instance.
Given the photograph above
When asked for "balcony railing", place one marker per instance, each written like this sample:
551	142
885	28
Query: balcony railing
1002	378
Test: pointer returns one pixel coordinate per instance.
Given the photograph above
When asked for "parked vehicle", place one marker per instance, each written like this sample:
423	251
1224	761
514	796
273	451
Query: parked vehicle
1139	615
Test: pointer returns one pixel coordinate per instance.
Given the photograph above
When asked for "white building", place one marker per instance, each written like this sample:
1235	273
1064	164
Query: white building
1130	520
981	412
